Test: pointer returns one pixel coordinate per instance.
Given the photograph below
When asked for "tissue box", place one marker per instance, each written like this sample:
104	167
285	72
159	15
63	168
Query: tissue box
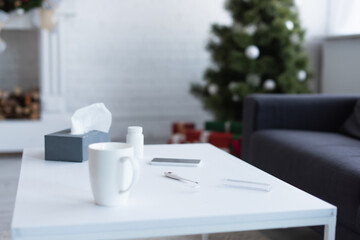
63	146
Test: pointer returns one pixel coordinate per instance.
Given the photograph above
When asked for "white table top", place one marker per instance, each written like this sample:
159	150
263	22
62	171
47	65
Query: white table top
54	199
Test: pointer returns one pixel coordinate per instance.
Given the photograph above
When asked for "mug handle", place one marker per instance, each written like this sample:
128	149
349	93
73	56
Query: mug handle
134	175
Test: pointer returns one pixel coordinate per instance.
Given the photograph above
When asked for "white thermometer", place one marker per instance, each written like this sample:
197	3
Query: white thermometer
176	177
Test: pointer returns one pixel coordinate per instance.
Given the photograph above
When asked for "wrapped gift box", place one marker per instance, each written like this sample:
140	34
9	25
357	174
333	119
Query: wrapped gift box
220	139
181	127
235	147
193	135
224	135
228	126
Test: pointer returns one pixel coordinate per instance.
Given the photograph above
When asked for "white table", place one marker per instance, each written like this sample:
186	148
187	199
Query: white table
54	200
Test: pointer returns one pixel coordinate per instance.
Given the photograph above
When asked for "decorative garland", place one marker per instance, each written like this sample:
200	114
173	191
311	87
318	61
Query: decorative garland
26	5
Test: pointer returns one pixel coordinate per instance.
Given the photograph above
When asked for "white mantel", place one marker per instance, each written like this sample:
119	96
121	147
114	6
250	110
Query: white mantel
18	134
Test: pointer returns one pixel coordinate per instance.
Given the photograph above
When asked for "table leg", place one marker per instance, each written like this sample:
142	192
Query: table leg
205	236
329	230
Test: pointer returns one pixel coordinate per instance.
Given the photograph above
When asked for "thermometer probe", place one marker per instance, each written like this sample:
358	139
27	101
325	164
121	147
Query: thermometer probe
176	177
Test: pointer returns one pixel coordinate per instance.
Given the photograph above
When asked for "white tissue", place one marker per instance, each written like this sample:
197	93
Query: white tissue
92	117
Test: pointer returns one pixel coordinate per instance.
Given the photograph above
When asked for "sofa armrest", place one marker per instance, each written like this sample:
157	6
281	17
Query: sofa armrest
318	112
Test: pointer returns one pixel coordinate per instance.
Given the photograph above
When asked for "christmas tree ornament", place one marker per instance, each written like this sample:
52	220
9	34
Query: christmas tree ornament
213	89
252	52
250	29
301	75
235	98
253	79
269	84
232	85
2	46
289	25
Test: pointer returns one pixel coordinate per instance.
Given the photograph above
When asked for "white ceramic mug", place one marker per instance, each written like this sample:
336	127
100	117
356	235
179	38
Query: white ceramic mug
113	171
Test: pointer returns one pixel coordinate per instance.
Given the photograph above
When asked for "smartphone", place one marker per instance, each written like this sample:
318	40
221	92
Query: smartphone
176	162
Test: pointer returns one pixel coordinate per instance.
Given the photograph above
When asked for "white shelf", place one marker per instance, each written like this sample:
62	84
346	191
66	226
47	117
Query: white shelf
20	22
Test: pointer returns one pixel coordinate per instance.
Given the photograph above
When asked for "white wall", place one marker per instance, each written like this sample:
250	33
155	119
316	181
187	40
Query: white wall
139	57
313	16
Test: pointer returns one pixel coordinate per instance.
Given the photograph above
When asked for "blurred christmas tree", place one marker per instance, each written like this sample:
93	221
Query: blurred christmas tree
24	5
261	52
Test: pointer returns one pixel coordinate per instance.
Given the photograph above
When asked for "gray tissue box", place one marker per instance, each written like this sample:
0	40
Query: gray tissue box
63	146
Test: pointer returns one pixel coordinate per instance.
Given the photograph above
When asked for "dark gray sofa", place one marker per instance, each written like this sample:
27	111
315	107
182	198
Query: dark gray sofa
297	138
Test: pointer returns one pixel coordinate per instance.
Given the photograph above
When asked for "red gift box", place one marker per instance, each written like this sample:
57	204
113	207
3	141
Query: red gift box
220	139
192	135
235	147
229	142
181	127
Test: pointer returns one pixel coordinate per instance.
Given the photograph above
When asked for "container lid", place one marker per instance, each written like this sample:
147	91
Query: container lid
135	129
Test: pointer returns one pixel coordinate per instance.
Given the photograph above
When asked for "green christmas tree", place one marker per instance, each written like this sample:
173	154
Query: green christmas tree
261	52
26	5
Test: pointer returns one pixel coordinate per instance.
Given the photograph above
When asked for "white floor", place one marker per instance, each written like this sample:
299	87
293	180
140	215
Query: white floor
9	174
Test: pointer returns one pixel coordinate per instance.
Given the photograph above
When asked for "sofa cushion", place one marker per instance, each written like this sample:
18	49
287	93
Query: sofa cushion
326	165
352	124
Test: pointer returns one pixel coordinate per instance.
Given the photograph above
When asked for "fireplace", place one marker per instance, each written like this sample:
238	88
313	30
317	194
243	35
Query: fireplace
42	106
20	104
